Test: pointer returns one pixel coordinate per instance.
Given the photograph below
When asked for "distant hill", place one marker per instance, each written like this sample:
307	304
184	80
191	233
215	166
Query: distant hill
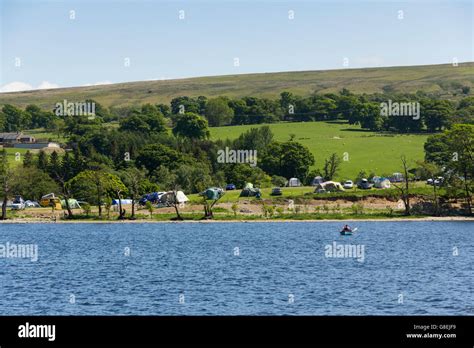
445	80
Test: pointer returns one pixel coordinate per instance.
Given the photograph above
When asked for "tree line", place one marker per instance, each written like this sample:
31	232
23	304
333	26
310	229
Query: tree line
364	109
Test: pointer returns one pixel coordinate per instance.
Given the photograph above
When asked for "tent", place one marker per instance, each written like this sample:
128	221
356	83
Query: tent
381	183
153	197
317	180
329	186
249	191
168	197
122	201
294	182
73	204
213	193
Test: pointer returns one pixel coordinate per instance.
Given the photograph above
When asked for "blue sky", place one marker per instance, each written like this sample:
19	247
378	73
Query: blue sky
41	46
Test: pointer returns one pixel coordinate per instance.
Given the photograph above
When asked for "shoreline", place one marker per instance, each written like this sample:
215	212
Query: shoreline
144	221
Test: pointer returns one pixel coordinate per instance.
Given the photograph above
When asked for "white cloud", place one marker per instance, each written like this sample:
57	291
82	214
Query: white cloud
15	87
18	86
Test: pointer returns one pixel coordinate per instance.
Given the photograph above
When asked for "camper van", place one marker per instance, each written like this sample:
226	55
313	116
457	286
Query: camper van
18	203
50	200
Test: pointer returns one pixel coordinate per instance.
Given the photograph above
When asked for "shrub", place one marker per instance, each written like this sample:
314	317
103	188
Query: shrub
357	208
234	208
86	208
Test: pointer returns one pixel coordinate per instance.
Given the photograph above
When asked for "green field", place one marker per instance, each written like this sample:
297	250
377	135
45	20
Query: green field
443	79
368	151
44	135
12	156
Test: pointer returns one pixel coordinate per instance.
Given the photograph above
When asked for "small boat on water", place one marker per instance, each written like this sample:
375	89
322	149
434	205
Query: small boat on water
347	231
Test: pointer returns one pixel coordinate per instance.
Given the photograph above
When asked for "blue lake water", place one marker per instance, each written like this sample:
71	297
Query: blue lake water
407	268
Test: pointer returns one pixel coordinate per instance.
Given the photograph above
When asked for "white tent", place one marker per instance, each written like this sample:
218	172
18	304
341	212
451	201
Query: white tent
329	186
123	201
169	197
317	180
382	183
294	182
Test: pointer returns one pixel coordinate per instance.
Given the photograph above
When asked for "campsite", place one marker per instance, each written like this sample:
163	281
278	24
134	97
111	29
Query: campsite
323	200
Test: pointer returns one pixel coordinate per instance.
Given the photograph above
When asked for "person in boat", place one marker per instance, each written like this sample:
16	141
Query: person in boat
347	228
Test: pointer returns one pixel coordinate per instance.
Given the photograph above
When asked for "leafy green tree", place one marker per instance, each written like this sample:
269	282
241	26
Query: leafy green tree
287	99
190	125
43	160
465	111
218	112
323	108
61	171
153	156
32	184
240	111
404	188
164	109
101	112
187	104
94	185
163	178
28	159
3	121
193	178
347	108
453	150
255	139
40	118
154	118
15	118
54	163
57	126
240	173
278	181
437	114
150	208
437	149
135	123
136	184
369	116
5	181
331	167
288	159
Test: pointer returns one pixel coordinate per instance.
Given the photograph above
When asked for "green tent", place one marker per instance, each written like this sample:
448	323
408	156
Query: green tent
212	193
249	191
73	204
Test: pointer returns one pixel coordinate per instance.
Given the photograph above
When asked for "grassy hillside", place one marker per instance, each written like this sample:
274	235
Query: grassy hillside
366	150
444	79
